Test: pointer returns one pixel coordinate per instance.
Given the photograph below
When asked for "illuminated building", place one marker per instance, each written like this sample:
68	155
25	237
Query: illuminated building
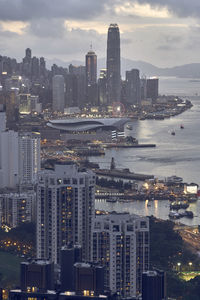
17	208
91	78
65	210
29	157
58	93
113	64
121	244
9	159
102	87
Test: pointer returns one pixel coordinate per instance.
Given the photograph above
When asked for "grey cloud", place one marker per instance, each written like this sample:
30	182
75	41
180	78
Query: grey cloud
182	8
34	9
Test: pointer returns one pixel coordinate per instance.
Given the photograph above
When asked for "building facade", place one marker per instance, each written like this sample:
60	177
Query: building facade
58	93
29	157
113	64
133	92
121	244
65	210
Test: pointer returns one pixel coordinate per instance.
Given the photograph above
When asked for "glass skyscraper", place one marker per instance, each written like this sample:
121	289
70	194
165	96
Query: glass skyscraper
113	64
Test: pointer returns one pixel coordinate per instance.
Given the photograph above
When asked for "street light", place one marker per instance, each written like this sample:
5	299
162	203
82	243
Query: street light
190	265
179	266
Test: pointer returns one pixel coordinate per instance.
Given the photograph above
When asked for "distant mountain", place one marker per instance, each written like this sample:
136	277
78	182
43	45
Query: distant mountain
185	71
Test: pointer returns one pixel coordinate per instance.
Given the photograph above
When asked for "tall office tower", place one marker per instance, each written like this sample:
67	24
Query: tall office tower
91	78
153	285
28	54
12	112
76	86
113	64
143	87
133	93
58	93
9	159
121	244
26	63
102	87
35	68
65	210
91	68
29	157
152	88
42	67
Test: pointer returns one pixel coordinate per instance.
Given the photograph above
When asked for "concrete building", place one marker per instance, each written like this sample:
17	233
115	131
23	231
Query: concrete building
58	93
9	159
153	285
65	210
29	157
133	92
121	244
91	78
17	208
102	87
152	89
113	64
69	256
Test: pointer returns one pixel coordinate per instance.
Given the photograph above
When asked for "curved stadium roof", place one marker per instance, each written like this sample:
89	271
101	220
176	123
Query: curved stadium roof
87	124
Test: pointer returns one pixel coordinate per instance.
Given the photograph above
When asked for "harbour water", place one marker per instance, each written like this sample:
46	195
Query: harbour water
174	155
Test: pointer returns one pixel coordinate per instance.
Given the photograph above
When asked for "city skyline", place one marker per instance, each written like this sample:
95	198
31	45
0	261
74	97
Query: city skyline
165	35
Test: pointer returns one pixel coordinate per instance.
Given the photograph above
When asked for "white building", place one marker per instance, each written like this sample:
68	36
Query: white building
58	93
9	159
121	244
19	158
65	210
17	208
29	157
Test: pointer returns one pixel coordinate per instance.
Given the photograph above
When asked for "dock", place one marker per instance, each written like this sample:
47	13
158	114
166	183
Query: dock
123	174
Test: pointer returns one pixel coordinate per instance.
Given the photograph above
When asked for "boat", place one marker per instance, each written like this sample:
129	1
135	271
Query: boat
173	132
129	127
189	214
181	126
174	215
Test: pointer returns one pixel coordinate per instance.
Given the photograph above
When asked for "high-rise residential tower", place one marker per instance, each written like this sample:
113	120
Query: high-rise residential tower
58	93
121	245
29	157
113	64
65	210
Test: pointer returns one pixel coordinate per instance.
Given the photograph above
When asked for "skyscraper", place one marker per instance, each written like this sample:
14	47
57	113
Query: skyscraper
113	64
91	78
29	157
65	210
58	93
133	93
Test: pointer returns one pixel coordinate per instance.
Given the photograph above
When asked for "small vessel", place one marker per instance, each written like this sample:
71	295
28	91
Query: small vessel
173	132
174	215
129	127
181	126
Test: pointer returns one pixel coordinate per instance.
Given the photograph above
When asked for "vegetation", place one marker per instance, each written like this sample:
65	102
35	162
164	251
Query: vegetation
116	184
169	253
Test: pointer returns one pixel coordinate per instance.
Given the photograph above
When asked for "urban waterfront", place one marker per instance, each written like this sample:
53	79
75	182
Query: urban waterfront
174	155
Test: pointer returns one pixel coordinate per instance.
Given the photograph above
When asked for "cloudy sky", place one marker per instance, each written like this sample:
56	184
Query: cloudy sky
161	32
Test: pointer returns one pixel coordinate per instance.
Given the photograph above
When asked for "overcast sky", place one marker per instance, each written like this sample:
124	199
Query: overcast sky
161	32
